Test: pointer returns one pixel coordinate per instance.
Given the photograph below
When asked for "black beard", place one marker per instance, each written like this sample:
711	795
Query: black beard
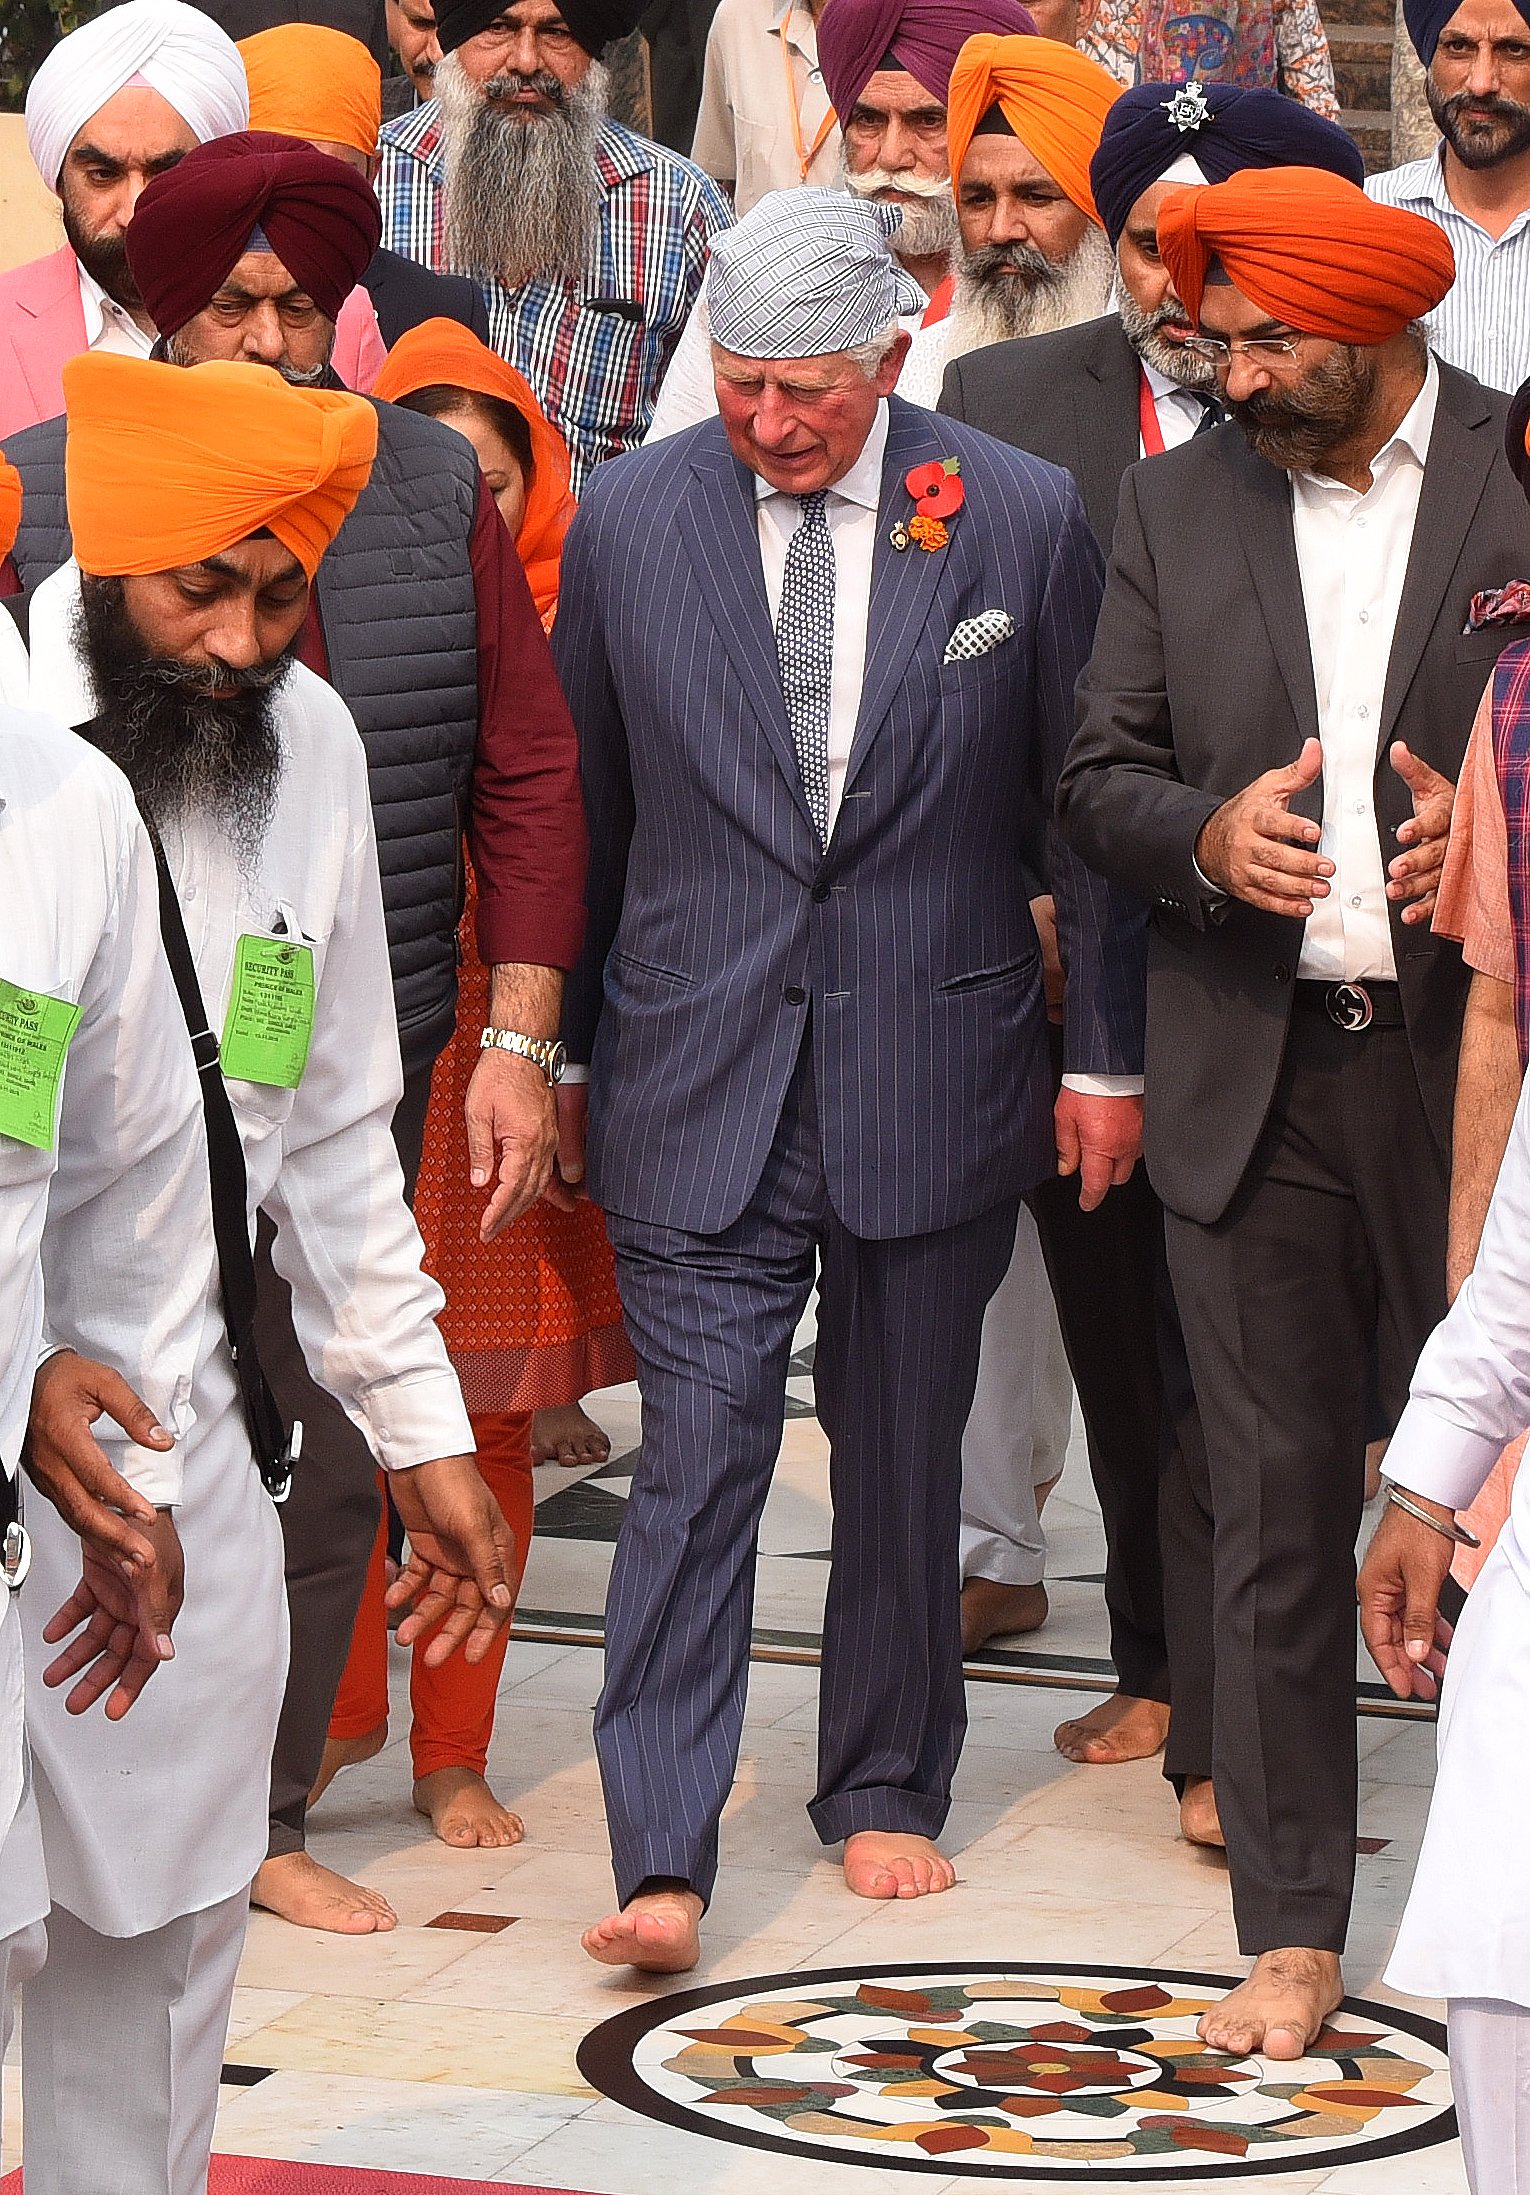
1510	137
104	259
184	752
1299	431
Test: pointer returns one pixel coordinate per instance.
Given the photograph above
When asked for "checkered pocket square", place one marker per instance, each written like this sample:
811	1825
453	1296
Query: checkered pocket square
978	635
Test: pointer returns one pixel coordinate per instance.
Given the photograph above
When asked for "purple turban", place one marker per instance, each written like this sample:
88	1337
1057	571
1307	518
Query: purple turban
924	36
1222	127
1426	20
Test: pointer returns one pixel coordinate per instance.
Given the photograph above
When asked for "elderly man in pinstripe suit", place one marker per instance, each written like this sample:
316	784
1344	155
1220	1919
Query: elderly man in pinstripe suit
821	654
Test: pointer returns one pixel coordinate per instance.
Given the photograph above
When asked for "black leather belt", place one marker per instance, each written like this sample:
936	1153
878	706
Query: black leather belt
1354	1007
10	1499
15	1547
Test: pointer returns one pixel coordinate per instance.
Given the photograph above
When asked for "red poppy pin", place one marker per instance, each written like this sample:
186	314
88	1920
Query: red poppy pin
938	495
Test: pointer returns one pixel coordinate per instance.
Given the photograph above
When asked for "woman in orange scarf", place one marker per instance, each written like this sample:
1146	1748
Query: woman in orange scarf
532	1320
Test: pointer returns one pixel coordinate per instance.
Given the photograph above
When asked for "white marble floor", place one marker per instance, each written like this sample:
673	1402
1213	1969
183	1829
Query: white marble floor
449	2046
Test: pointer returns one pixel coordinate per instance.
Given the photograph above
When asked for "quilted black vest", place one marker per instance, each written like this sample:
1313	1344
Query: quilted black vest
400	626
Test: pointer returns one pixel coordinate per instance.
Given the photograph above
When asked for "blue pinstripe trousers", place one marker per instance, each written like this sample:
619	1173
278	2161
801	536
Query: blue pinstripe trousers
711	1319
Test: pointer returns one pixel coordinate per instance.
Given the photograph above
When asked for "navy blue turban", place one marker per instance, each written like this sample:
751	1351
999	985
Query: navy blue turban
1426	19
1221	127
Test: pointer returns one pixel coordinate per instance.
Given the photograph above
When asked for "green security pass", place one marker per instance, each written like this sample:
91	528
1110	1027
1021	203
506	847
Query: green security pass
35	1035
270	1012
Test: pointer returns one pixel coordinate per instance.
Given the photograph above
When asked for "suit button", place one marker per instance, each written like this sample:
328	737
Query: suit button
795	995
1282	972
821	892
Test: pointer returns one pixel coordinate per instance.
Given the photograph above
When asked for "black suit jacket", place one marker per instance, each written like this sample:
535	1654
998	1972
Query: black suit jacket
403	293
1071	397
1201	679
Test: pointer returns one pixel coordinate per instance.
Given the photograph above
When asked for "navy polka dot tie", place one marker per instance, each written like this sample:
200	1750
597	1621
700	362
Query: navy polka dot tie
805	650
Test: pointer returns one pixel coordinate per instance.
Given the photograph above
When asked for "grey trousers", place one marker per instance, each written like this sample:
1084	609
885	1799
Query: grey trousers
329	1520
122	2048
1016	1439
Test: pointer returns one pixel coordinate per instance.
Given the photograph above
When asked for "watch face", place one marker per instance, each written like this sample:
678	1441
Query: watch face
557	1060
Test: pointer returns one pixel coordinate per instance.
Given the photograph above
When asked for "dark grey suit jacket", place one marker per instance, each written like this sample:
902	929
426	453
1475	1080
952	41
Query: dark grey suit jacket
1070	398
1201	679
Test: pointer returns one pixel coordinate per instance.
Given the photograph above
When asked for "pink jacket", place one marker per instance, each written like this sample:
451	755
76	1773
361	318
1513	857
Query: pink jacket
42	324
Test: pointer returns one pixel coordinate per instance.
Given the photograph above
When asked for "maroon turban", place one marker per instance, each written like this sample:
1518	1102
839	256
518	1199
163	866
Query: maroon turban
195	222
923	36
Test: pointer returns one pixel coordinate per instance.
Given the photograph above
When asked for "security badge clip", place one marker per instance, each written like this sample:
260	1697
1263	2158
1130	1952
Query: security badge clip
15	1557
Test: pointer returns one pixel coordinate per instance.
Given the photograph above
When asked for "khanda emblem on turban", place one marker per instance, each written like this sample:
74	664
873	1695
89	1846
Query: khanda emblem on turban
1189	109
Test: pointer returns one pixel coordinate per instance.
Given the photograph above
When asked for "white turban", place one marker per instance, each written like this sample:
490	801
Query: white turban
176	50
807	272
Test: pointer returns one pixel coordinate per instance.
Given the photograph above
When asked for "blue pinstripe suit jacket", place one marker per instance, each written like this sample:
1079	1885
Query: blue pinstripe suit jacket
718	922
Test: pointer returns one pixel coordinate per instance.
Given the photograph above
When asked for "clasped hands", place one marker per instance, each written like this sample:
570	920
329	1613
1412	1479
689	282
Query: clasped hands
1256	850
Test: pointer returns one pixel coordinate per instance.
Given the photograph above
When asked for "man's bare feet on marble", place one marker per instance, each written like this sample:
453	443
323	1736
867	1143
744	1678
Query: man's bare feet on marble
346	1753
1199	1821
659	1932
296	1888
463	1811
568	1435
1119	1729
1281	2009
894	1863
994	1611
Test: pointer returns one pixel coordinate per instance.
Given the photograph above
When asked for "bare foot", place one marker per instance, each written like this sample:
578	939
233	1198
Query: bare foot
1119	1729
1281	2009
568	1436
297	1888
1199	1821
660	1932
894	1863
994	1611
346	1753
462	1810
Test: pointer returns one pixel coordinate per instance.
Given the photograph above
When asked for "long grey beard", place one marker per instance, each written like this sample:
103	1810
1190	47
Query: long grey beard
522	192
993	308
1172	360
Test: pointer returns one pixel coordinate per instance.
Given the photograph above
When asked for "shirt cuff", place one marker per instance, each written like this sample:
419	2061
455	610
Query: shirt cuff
1447	1463
413	1421
1214	892
548	935
571	1073
1104	1085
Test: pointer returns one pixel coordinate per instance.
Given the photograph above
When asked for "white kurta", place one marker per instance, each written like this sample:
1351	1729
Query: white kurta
13	664
1466	1931
165	1813
126	1186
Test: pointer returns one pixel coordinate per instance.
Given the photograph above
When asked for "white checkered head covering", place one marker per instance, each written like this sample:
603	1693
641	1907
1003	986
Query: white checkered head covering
806	273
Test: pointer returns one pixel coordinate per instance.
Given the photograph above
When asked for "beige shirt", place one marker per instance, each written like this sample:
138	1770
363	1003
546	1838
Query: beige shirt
762	60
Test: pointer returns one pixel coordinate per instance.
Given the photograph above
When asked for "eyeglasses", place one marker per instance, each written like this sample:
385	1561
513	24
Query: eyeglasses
1264	350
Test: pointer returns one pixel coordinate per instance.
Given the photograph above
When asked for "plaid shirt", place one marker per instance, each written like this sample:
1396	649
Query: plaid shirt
1511	757
594	350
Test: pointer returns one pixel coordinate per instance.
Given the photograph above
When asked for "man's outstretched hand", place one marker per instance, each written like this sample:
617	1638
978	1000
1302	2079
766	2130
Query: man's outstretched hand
456	1582
1414	875
120	1621
1253	848
65	1461
1099	1139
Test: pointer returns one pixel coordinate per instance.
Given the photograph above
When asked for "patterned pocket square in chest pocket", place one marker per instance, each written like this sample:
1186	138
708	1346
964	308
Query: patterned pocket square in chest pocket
979	635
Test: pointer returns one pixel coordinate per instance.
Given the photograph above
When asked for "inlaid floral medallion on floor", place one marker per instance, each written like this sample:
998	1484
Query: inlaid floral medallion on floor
1021	2072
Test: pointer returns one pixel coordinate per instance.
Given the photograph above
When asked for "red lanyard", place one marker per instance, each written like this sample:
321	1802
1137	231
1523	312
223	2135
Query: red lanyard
805	158
940	302
1147	413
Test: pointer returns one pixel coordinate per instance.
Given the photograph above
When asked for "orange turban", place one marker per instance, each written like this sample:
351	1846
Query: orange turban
1053	98
165	465
1311	249
445	354
10	506
308	81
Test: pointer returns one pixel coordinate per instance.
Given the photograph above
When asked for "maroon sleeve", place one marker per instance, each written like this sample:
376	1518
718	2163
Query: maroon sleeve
526	820
10	578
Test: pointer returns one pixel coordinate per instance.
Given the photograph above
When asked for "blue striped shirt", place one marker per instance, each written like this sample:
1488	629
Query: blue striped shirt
1482	325
595	349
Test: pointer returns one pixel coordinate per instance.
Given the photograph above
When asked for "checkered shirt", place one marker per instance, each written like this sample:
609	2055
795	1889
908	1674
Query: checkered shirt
595	349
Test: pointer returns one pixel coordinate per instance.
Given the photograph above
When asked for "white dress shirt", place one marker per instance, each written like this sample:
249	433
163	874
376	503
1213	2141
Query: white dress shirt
123	1196
851	512
1179	412
1352	551
107	326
